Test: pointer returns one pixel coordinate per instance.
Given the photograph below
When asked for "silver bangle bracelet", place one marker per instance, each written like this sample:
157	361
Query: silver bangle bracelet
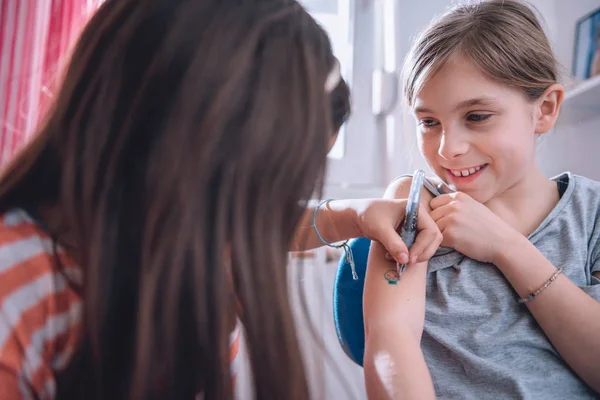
344	245
540	290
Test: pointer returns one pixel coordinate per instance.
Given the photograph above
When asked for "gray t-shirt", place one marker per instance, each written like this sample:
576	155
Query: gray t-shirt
479	342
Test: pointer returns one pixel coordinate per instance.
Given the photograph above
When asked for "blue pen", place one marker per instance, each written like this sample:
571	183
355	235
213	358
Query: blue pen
408	230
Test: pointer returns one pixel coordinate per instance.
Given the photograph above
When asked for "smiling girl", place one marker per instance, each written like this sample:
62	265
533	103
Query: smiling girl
511	306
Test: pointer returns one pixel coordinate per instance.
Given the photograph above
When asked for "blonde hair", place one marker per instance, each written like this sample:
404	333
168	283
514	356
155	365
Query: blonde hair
504	38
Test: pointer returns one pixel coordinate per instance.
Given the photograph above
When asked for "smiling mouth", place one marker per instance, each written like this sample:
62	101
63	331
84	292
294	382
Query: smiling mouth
465	172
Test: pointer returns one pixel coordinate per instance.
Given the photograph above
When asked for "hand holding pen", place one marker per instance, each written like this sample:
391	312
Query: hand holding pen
418	231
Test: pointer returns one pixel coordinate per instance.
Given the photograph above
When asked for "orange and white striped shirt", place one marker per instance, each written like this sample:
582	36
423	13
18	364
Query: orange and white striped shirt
40	312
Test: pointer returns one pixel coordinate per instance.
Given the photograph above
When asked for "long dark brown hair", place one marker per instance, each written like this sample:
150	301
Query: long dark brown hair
180	149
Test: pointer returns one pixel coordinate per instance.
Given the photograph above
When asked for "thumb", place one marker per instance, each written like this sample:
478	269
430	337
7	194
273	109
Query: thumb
390	239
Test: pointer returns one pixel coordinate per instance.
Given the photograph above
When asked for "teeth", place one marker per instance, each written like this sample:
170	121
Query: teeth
465	172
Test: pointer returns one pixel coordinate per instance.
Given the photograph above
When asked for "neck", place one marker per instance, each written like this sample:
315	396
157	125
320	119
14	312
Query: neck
527	203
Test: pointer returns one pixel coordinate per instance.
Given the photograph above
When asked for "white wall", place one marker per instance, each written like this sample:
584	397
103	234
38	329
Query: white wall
570	146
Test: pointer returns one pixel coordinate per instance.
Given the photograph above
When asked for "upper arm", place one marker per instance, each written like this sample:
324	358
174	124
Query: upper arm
383	302
23	369
400	188
39	318
394	314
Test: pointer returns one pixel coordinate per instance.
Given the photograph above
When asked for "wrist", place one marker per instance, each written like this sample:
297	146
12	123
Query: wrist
524	266
340	222
350	221
510	251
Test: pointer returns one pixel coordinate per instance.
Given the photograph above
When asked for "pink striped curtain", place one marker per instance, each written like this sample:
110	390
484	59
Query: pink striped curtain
35	39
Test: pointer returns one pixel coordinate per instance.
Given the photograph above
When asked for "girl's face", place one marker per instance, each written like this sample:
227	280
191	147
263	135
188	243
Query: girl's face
475	133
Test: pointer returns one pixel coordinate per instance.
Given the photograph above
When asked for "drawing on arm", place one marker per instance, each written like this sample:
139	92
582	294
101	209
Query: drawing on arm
392	276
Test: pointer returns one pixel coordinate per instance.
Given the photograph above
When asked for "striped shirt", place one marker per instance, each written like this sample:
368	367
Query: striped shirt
40	312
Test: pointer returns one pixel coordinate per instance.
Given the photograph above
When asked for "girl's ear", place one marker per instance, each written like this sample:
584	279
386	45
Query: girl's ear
548	107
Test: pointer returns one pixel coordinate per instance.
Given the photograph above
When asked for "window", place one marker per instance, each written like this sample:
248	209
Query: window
355	162
334	17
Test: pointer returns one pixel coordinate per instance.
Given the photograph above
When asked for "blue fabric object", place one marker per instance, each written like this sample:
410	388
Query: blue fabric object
348	301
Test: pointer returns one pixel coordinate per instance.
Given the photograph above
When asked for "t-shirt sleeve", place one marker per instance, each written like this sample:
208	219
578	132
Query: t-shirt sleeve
593	289
594	271
9	385
39	315
595	268
23	372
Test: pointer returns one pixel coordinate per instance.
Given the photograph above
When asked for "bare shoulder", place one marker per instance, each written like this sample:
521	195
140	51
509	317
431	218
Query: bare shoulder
400	187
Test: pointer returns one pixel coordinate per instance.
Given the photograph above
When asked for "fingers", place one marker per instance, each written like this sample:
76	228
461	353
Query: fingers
388	235
442	200
445	210
446	199
430	250
396	249
425	246
439	212
444	224
424	221
428	239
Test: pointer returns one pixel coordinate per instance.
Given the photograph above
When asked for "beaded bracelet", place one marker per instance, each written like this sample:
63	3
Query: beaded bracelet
540	290
344	245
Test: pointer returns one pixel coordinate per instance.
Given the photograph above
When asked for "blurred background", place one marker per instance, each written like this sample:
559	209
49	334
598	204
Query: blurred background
371	39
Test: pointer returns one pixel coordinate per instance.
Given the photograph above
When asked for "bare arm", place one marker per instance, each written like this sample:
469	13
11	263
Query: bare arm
394	314
338	220
568	315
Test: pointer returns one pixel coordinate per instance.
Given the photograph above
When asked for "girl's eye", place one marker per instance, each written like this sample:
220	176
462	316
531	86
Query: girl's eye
428	123
478	117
